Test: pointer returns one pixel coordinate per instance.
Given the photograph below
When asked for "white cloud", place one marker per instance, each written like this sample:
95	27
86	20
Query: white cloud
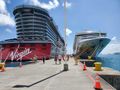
114	38
68	31
8	30
68	5
50	5
5	18
112	47
3	6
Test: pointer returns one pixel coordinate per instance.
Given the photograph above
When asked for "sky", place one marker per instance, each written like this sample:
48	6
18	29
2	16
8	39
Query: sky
95	15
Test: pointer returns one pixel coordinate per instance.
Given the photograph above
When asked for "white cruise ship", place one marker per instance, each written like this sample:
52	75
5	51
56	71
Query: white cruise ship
89	44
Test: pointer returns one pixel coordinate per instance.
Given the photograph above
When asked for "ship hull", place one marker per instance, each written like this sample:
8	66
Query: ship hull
25	51
91	47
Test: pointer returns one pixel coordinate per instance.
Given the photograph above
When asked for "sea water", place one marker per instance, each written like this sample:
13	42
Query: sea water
110	60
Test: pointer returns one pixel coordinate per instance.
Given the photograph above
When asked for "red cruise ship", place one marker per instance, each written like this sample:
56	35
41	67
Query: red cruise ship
37	36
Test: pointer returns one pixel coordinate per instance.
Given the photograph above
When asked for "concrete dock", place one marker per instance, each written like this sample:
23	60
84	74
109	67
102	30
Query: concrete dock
49	76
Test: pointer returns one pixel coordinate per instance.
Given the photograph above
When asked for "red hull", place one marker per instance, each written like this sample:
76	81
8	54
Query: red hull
25	51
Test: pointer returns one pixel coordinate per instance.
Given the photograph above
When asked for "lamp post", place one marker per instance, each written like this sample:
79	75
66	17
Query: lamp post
65	26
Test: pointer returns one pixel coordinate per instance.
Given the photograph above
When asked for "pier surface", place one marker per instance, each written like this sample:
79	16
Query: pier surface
49	76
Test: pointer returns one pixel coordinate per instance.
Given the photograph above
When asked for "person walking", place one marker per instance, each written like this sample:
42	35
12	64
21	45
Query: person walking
43	59
55	59
67	57
35	58
59	58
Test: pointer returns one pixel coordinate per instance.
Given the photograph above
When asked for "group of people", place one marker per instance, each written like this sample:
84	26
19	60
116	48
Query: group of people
59	58
35	59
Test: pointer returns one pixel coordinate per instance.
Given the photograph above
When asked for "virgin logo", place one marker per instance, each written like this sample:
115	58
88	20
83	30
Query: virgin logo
20	55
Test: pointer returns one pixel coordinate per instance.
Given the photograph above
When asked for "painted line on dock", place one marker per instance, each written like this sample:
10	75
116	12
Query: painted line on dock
87	74
90	77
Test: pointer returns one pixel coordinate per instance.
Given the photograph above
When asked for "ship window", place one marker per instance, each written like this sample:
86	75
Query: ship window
30	38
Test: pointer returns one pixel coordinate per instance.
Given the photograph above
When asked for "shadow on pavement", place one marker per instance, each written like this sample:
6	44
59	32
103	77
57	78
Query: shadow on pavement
27	86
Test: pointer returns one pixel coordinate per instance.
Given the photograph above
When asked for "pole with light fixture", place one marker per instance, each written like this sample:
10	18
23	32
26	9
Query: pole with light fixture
65	26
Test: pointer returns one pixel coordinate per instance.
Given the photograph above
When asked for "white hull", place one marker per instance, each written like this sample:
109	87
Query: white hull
91	47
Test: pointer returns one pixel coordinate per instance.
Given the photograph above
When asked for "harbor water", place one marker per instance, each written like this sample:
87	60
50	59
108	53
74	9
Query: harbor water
110	60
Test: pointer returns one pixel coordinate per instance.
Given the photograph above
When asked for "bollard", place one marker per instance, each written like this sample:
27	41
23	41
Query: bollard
2	67
98	66
65	67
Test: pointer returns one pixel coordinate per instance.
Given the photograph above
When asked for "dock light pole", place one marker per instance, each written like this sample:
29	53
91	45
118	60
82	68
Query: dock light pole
65	26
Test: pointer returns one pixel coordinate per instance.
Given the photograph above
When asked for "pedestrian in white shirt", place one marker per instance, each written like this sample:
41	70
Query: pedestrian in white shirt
59	58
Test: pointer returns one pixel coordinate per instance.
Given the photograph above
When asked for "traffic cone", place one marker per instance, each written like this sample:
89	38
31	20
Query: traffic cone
97	83
84	67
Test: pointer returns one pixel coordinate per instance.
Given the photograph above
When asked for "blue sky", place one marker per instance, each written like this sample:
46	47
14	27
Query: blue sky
96	15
